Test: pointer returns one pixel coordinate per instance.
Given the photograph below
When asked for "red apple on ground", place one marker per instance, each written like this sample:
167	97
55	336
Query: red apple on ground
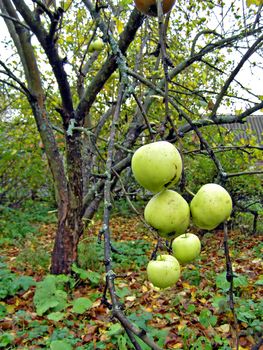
186	247
210	206
157	165
168	212
164	271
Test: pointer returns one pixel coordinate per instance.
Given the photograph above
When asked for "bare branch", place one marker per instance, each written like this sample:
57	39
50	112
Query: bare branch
14	20
258	43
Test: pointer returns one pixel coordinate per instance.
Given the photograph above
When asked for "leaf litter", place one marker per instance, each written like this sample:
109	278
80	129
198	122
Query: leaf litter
193	314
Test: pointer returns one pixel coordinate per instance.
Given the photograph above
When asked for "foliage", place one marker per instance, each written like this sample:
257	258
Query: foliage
16	223
125	254
50	294
11	283
23	166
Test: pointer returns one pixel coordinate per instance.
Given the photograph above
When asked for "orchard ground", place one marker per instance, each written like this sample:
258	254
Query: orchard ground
193	314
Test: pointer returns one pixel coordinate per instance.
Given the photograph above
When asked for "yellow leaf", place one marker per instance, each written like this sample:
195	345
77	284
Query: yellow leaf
131	298
254	2
182	325
177	346
149	309
119	25
224	328
186	285
203	300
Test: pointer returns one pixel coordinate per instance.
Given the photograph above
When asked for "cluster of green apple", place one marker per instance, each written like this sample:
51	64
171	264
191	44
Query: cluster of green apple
158	166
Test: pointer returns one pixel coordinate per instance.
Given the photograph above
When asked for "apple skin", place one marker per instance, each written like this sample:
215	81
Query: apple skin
168	212
149	7
210	206
157	165
96	45
164	271
186	247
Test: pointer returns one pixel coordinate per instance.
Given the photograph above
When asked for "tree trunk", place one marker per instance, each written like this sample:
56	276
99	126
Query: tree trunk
70	228
70	214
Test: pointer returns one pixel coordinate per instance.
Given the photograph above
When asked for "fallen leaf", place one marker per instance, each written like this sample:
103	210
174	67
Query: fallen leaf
224	328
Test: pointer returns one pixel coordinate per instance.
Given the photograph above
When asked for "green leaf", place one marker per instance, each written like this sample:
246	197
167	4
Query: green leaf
25	282
259	282
60	345
207	319
122	343
94	278
56	316
48	296
6	339
80	305
83	274
115	329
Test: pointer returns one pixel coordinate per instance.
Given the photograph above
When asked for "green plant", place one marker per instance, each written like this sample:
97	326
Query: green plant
11	284
240	281
192	276
92	276
50	294
19	222
6	339
63	334
132	254
206	318
90	255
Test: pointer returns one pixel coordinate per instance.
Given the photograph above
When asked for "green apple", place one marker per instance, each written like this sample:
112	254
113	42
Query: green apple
186	247
96	45
210	206
168	212
157	165
164	271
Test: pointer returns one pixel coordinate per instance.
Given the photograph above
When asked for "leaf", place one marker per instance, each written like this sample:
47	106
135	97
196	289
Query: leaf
224	328
25	282
259	282
47	296
122	343
80	305
83	274
60	345
56	316
119	25
94	278
6	339
254	2
207	319
115	329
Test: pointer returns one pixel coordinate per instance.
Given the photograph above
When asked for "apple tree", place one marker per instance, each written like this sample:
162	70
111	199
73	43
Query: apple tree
103	78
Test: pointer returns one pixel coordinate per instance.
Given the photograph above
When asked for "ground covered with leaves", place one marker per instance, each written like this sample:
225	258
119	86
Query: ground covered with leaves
41	311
